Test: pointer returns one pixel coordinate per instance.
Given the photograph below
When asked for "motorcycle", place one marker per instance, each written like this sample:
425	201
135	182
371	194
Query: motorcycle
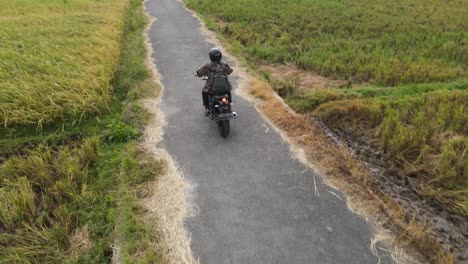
221	111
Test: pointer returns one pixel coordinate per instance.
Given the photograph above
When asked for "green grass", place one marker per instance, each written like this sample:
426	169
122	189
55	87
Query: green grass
309	100
70	189
381	42
57	59
137	236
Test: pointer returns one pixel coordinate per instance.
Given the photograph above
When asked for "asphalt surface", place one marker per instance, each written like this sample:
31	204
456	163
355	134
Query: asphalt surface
254	202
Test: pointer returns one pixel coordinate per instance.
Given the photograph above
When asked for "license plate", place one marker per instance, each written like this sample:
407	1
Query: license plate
225	115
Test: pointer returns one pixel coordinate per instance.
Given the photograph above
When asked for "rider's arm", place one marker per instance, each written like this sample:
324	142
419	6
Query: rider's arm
203	71
229	70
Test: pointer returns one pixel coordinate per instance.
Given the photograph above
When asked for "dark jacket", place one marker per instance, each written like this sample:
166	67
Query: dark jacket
206	71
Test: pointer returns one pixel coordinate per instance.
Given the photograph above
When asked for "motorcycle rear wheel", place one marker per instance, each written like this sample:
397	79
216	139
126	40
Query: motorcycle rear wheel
223	127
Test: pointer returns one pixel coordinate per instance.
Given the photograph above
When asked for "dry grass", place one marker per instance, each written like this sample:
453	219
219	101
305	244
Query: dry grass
80	240
167	203
423	136
304	80
344	170
41	196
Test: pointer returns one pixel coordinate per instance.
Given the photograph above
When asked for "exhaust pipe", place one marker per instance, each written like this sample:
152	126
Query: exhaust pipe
234	114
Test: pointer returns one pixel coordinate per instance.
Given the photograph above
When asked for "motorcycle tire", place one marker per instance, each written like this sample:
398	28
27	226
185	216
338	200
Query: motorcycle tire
223	127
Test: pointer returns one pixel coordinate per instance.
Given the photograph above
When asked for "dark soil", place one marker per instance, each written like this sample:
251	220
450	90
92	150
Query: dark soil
449	230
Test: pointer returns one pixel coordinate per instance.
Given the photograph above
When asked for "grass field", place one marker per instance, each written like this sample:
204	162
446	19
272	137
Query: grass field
69	189
57	58
409	58
381	42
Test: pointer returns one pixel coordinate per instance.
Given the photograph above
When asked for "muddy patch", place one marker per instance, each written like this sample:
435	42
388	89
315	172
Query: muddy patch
449	230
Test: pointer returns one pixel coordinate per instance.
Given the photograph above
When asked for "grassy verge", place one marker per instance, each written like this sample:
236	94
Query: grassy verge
135	233
69	190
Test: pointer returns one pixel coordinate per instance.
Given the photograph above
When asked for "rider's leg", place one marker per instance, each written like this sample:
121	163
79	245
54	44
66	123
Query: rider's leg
205	99
229	96
206	103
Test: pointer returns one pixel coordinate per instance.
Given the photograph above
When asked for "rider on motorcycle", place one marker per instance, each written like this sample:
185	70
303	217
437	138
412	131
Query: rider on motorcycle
215	57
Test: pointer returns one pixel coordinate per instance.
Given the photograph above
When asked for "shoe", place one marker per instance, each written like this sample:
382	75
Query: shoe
207	111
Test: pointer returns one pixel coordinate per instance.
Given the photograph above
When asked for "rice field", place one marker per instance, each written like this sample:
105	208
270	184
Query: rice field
57	59
69	183
381	42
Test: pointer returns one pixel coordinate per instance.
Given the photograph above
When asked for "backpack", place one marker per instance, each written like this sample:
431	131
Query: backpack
219	78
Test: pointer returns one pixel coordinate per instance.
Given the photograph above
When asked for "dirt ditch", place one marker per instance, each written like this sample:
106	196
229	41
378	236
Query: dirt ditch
450	231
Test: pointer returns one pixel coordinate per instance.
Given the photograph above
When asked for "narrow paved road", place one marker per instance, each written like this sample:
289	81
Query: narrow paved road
255	203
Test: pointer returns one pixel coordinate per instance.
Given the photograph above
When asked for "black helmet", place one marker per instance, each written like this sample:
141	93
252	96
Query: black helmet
215	54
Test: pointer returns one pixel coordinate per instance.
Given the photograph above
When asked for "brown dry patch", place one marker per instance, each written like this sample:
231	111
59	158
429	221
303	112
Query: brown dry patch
80	241
223	25
345	171
306	80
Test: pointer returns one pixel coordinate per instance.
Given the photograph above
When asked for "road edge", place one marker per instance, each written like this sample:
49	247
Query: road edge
169	201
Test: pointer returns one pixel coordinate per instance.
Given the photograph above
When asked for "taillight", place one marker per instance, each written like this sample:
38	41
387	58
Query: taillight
224	100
